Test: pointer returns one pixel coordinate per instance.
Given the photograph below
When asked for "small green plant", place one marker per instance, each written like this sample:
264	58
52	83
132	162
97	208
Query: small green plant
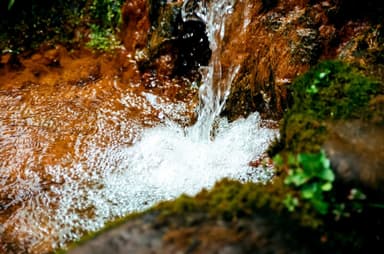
311	179
312	175
106	12
102	39
106	17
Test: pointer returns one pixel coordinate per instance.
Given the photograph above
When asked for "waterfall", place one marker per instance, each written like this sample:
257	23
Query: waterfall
216	82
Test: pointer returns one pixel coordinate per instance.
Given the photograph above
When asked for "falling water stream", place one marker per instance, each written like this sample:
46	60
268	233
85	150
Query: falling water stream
75	158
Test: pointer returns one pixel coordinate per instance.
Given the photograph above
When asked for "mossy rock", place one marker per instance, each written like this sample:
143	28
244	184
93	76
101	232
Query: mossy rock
230	200
256	208
330	91
334	110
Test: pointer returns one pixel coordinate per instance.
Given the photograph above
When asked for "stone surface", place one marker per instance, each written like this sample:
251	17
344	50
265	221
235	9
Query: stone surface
356	150
146	235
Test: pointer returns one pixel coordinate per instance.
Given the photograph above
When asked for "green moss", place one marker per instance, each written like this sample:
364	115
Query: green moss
331	90
303	133
105	21
334	90
230	200
102	39
28	24
106	13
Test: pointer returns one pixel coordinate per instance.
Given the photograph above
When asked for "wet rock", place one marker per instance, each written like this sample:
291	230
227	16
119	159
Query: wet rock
194	10
208	236
306	48
194	45
356	151
267	71
136	236
136	24
278	43
87	75
11	62
183	39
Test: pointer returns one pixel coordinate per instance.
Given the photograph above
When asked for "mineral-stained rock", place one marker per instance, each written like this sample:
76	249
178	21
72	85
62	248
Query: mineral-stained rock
276	44
136	24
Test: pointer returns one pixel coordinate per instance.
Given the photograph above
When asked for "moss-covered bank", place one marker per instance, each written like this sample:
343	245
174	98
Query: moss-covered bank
27	25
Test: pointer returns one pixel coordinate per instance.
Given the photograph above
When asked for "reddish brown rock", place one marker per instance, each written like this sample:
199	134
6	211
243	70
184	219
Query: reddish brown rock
136	24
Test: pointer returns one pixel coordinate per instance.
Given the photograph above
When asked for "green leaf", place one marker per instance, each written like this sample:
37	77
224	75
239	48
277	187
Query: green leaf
320	205
310	162
317	165
323	74
326	186
312	89
356	194
324	160
327	175
296	178
292	161
291	202
310	191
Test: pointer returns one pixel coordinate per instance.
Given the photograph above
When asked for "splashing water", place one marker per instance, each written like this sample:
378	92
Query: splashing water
215	82
163	162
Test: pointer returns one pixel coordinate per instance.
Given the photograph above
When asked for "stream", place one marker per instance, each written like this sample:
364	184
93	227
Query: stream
74	157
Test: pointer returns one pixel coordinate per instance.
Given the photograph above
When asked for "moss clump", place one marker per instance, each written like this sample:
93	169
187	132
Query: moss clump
304	133
28	24
331	90
334	90
231	200
105	21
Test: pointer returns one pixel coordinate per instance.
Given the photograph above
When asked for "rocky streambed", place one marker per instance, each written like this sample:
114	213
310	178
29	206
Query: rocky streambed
73	106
